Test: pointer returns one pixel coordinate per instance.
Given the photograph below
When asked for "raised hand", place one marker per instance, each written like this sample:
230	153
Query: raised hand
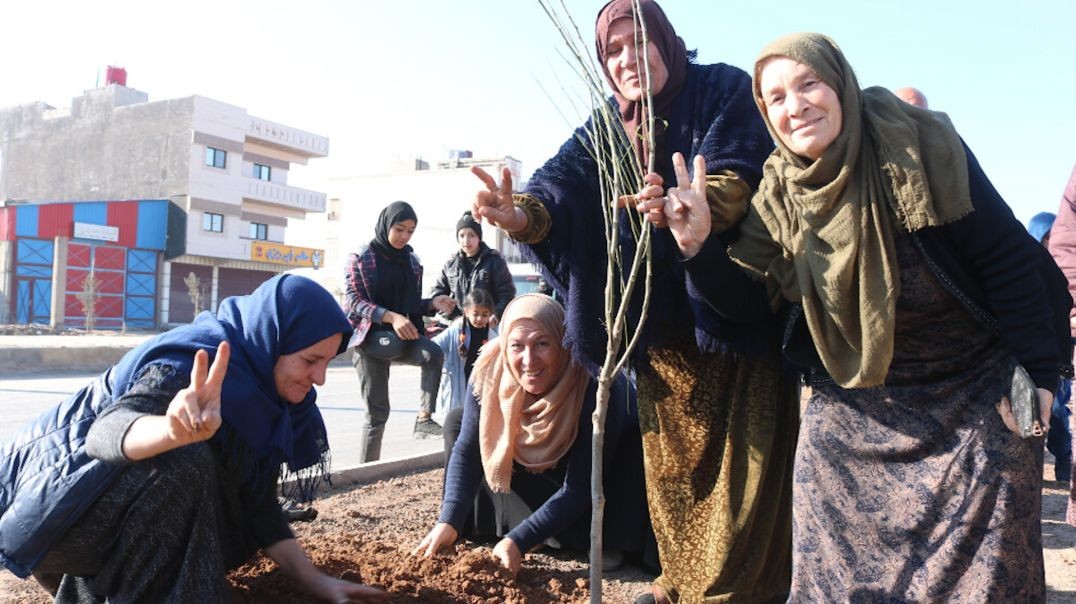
494	203
686	208
194	413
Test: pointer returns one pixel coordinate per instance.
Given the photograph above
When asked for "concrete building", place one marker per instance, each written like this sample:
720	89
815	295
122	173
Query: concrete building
440	194
224	168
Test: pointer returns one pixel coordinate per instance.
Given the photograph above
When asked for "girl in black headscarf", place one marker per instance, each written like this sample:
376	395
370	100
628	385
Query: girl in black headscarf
385	308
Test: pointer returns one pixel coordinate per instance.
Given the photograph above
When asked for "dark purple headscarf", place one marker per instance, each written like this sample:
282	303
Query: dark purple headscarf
673	55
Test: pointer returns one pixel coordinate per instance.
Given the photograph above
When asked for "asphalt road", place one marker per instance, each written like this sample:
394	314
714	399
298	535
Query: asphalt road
22	399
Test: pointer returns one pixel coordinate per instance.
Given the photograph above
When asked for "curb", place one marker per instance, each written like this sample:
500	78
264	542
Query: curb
17	362
385	468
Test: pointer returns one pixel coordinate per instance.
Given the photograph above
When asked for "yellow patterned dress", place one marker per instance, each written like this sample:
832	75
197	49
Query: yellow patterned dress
719	437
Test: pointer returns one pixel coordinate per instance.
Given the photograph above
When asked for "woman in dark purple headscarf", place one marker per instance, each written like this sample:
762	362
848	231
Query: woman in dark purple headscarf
717	410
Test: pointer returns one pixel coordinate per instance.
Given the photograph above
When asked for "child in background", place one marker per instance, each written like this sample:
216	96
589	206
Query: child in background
460	342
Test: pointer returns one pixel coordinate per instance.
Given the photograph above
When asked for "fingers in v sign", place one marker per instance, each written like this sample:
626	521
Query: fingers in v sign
687	210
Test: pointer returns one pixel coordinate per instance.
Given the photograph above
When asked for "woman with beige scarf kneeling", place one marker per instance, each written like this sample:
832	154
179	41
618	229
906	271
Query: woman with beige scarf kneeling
520	466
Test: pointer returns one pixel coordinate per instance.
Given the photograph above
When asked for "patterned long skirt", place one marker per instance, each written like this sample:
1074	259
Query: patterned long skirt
918	495
719	435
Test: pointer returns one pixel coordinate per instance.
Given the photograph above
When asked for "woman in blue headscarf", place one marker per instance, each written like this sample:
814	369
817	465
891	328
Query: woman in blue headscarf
151	482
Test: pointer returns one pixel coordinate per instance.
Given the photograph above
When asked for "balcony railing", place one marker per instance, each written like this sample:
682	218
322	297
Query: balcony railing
285	196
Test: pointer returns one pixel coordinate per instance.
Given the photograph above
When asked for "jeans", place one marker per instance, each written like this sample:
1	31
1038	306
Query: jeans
1059	438
374	388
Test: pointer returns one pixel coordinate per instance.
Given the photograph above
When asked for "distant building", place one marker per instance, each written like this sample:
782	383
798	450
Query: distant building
225	170
440	194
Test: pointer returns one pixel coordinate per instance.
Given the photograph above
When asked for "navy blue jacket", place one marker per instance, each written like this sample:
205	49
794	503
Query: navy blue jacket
47	479
464	474
714	116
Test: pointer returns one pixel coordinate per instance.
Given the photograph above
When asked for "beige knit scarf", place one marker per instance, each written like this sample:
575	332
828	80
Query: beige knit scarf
513	424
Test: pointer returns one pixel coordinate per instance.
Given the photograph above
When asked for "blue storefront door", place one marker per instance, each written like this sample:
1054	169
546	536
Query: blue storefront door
33	279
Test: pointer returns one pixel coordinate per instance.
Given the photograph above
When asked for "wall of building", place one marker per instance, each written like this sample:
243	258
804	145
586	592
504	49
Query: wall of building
97	151
439	198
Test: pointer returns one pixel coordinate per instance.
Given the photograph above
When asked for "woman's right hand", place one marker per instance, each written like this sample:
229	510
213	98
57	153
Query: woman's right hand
403	326
442	536
494	203
194	413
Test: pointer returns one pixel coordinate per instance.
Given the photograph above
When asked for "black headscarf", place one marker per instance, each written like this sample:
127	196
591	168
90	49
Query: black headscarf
396	286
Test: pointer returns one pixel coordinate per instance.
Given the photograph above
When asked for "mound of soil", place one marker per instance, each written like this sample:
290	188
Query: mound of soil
366	534
470	576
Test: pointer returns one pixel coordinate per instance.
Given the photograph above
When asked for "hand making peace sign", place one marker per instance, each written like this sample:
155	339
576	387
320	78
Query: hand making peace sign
194	413
686	209
494	203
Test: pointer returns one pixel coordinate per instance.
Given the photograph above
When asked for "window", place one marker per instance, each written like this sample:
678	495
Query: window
213	222
218	158
259	231
261	172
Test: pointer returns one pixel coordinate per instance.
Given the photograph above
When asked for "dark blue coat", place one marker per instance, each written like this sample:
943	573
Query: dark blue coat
58	480
715	116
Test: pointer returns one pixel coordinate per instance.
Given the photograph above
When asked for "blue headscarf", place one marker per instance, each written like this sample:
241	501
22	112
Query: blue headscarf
260	429
1040	224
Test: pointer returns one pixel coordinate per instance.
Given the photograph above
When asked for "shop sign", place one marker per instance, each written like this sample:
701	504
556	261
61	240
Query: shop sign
290	255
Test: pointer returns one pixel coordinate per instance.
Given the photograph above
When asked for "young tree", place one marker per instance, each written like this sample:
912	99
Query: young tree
620	176
196	291
88	298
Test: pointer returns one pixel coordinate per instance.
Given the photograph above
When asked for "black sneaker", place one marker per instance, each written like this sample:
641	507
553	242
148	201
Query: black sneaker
297	512
426	428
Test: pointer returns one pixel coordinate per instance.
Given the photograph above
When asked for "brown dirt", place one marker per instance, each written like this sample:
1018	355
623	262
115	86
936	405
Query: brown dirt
366	532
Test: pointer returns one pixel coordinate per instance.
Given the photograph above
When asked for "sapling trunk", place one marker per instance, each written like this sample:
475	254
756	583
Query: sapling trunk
620	174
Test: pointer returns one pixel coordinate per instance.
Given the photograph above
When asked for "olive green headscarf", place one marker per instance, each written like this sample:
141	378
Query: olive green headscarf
822	231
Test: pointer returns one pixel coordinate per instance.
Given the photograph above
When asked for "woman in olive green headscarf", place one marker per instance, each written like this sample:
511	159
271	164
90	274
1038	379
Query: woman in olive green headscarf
909	288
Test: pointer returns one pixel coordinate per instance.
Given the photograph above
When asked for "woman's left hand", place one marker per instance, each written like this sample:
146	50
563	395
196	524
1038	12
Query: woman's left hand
685	206
1046	403
507	553
339	591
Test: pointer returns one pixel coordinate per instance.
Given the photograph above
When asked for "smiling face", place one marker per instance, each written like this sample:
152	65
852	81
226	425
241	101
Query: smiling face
623	61
804	111
400	233
533	356
469	241
296	373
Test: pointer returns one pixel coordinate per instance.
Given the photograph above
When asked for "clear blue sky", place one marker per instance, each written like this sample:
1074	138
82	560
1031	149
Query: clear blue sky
396	79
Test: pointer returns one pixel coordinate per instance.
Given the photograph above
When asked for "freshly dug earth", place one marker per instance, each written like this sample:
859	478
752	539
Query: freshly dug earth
366	532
